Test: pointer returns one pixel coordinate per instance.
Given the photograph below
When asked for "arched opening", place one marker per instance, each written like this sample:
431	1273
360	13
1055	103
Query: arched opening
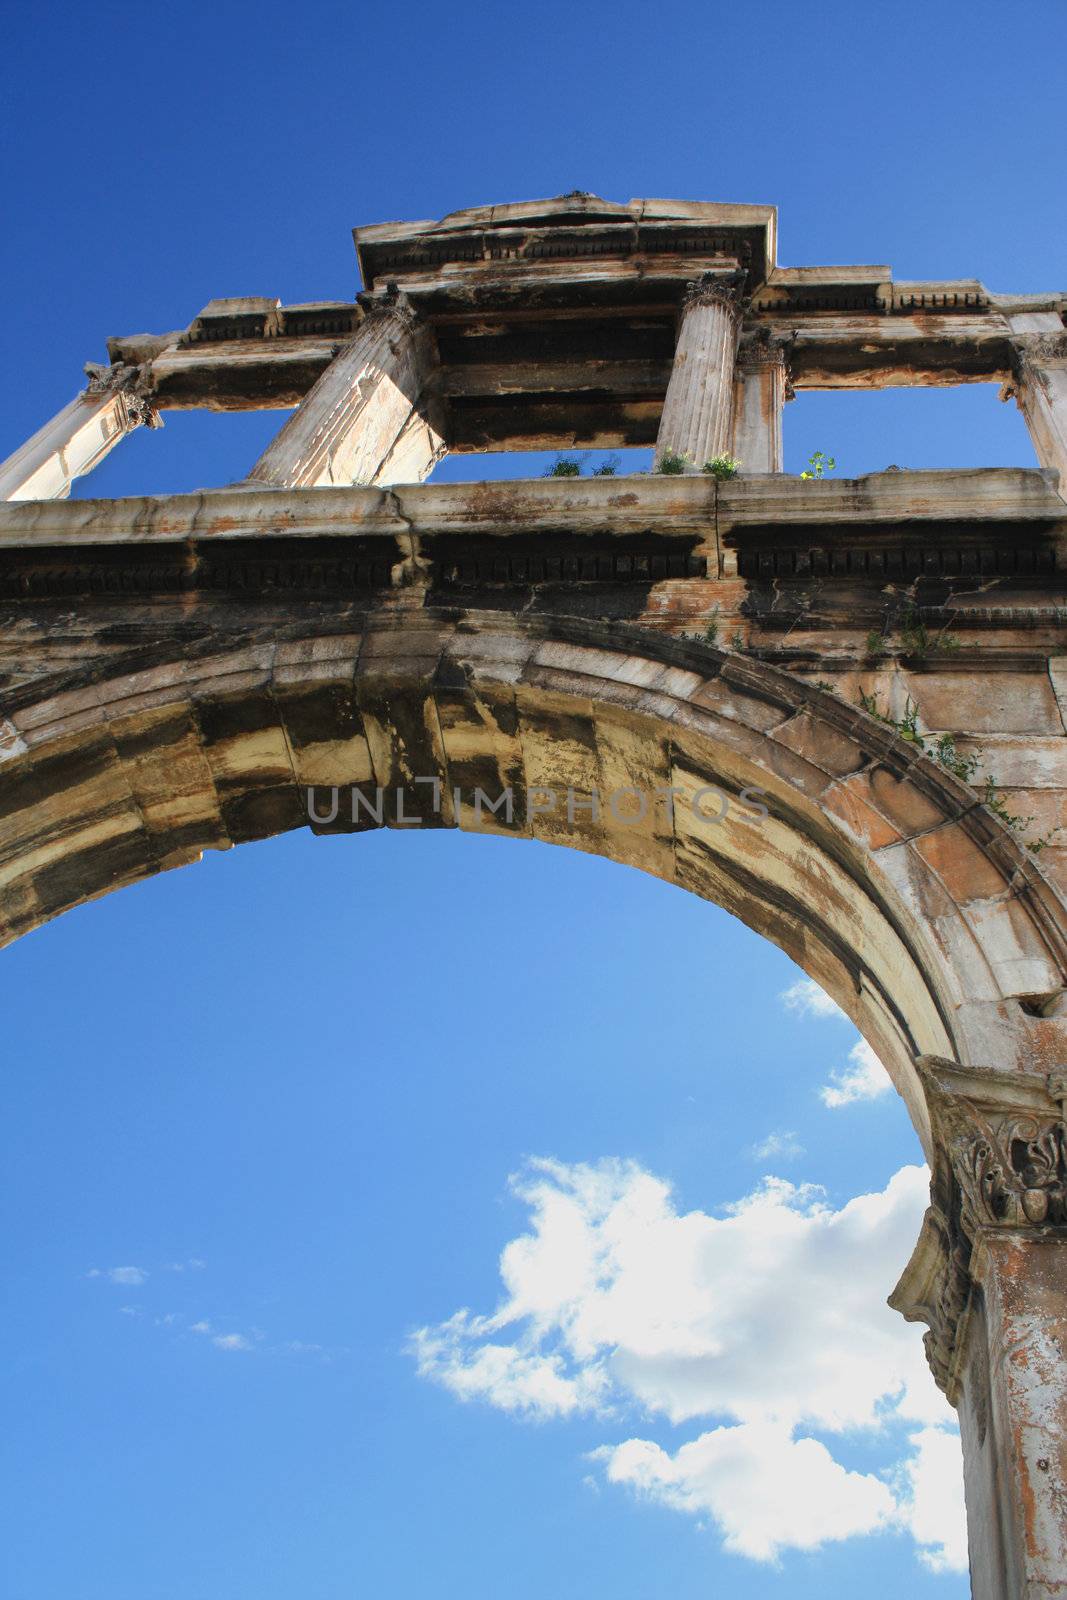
333	1055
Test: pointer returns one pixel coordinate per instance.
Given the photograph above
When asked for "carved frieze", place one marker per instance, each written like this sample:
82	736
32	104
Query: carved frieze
1000	1163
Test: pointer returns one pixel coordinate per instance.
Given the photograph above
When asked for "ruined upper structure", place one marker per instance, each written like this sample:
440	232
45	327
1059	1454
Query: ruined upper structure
555	324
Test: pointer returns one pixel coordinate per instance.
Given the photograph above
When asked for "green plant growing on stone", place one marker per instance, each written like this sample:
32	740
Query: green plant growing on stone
608	468
564	467
1037	845
876	645
722	467
943	750
916	640
671	463
963	767
906	726
818	465
991	799
738	640
711	630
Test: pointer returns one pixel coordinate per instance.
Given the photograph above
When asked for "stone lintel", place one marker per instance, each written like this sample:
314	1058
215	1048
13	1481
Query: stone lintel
1015	497
604	345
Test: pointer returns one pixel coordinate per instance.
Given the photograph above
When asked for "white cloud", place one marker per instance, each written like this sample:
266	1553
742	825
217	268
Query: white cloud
778	1146
806	998
222	1341
510	1379
770	1320
231	1341
864	1078
765	1489
932	1500
128	1276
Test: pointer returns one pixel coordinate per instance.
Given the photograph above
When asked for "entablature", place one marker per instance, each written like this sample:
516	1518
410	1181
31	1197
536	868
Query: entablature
555	322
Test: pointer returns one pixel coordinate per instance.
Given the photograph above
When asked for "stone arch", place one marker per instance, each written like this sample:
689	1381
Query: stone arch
875	870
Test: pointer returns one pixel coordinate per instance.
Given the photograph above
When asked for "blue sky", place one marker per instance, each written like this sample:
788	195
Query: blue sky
269	1122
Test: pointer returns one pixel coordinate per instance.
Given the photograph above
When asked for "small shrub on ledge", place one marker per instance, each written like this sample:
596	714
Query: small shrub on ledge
722	467
818	464
672	464
571	467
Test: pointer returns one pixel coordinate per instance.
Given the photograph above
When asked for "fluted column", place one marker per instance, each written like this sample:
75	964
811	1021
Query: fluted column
78	437
698	413
761	391
368	419
1039	385
989	1278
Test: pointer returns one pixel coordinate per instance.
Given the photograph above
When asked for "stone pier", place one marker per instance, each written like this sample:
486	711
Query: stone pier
761	390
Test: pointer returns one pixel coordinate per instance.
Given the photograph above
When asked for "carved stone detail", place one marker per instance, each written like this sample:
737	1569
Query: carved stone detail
132	383
716	289
1000	1163
1031	354
390	304
762	349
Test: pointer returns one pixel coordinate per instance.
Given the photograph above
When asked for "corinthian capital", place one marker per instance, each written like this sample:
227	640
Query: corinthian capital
715	289
762	349
1000	1162
390	304
133	383
1033	353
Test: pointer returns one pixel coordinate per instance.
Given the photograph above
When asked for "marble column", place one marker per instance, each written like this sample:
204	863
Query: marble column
369	418
989	1278
760	392
1039	385
78	437
698	413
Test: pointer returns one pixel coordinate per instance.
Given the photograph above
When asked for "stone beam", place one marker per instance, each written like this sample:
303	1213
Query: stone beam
367	419
209	366
78	437
935	505
698	413
762	388
989	1278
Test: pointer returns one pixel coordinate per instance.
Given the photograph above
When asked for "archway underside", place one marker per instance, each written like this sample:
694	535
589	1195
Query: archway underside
877	872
